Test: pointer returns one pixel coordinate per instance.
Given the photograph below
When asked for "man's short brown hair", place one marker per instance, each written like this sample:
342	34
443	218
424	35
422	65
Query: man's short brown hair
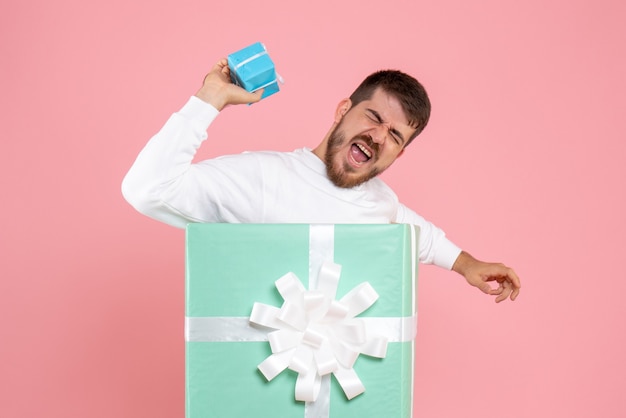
405	88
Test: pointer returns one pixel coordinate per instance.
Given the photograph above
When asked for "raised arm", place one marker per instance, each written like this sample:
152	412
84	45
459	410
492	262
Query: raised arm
163	183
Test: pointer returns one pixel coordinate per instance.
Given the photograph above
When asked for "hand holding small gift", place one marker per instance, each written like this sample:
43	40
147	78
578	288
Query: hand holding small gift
218	90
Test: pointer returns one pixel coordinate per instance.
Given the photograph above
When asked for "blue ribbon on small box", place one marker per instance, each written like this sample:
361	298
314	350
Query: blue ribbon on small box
253	69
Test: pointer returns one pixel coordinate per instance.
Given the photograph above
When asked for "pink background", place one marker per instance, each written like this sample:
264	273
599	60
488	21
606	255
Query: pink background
523	162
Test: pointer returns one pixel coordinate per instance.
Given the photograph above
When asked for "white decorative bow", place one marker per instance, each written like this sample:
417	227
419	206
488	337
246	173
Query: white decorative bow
316	334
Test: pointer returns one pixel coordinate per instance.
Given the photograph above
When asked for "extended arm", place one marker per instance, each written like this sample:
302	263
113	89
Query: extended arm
436	249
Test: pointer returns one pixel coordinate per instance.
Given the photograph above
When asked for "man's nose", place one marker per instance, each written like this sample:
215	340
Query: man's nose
379	134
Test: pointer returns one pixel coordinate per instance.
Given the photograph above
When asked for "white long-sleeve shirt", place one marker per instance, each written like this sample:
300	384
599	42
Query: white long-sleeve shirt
258	187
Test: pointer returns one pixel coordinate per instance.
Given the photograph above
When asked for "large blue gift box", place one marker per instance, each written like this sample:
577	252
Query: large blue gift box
300	321
253	69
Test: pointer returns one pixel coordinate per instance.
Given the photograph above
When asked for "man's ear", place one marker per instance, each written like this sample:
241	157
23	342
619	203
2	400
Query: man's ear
342	109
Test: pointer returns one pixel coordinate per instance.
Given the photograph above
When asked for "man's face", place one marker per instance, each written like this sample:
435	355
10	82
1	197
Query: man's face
368	139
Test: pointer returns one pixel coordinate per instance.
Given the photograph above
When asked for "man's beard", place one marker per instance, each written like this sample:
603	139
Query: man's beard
338	172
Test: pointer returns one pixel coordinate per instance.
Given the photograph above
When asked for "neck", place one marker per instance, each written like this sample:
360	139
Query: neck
320	150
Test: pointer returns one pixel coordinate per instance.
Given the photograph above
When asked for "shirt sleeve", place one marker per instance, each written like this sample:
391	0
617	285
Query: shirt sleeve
164	184
434	247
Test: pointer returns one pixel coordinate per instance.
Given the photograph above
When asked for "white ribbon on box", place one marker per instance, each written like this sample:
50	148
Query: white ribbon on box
316	334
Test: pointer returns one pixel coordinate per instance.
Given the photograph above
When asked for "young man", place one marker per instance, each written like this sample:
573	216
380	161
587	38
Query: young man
337	182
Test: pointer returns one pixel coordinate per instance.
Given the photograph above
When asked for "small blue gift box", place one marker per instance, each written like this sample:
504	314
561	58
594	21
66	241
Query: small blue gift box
253	69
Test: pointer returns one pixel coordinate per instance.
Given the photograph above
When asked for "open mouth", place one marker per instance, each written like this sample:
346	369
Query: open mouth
360	154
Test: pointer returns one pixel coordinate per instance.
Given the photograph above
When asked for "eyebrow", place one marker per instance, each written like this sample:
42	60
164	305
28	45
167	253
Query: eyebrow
392	130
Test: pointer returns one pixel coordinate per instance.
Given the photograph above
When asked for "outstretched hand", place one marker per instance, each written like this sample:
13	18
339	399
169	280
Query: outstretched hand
218	90
481	274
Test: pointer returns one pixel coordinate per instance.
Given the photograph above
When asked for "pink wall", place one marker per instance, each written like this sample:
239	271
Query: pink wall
523	162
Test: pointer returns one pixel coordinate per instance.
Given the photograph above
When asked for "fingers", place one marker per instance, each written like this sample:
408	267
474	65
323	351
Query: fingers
515	293
257	95
514	279
513	283
221	64
506	292
219	91
510	283
238	95
479	274
506	287
220	70
496	291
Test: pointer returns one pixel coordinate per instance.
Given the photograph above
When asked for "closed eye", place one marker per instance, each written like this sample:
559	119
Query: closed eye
397	136
374	116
